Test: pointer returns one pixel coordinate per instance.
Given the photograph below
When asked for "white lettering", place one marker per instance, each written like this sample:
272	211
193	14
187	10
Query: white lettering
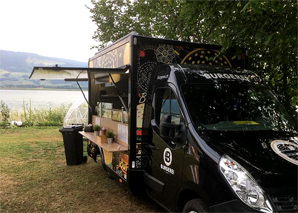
220	75
162	77
213	75
229	76
167	169
232	76
207	76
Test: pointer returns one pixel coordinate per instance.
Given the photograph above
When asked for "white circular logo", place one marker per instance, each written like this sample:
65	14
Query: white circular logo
167	157
287	150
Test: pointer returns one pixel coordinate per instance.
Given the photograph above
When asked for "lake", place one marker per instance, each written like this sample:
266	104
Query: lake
14	99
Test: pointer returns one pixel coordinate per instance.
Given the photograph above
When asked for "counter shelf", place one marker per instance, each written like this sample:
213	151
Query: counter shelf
116	146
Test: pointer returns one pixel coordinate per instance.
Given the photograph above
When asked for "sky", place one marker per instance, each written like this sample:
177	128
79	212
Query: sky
54	28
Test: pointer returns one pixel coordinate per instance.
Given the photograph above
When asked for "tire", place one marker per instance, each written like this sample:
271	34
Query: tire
85	159
102	159
195	205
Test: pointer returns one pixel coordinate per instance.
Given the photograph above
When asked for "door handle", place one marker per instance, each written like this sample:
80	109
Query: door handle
152	147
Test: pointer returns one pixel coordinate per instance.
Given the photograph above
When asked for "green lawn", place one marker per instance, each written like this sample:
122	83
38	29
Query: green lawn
34	177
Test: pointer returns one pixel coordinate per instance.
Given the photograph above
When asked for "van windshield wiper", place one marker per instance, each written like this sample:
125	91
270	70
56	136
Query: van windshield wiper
201	127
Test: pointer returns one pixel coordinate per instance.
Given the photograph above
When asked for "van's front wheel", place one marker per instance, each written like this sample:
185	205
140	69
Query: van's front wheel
195	205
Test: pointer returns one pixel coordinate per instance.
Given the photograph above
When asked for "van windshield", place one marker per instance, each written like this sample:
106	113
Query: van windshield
228	106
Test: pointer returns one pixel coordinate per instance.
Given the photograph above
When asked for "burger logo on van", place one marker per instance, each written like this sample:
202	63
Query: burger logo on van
167	158
287	150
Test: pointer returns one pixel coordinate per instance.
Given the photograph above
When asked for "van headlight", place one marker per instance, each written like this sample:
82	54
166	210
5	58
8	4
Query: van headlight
244	185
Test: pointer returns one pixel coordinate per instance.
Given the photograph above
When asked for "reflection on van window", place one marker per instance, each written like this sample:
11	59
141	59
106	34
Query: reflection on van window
173	110
226	106
169	105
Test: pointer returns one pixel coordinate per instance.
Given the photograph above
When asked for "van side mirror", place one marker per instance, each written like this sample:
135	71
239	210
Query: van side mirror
169	130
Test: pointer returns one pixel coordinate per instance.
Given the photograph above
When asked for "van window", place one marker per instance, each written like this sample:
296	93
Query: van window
235	107
166	103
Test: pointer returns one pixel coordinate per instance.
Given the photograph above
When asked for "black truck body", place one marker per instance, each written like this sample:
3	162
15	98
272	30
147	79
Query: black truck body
203	133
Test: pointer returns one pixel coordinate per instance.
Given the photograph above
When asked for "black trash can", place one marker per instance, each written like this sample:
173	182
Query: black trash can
73	144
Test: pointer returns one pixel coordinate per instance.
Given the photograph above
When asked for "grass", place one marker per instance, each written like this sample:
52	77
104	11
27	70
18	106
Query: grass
34	177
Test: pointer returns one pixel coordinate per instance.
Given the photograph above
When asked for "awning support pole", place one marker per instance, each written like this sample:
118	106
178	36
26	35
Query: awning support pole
118	93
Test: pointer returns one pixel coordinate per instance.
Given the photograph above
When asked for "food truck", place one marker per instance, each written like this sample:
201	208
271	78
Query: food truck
193	128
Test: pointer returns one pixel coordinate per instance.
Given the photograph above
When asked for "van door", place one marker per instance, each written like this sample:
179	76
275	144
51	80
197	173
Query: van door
167	147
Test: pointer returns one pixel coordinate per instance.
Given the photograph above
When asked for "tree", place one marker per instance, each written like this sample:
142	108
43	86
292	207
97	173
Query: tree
267	29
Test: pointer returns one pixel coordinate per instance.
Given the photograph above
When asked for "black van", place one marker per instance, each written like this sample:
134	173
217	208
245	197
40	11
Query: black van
226	141
193	129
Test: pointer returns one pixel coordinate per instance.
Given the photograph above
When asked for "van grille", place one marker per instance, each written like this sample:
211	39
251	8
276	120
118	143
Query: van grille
285	203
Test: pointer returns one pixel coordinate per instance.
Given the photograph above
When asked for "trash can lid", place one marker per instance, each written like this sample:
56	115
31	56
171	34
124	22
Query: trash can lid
71	128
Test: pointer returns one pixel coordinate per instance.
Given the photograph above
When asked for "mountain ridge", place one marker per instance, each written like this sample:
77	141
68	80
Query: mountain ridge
16	67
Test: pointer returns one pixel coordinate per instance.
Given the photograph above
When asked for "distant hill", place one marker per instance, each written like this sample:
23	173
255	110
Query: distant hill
16	67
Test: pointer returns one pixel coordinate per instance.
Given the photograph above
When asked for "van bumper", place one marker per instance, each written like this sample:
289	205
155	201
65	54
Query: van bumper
231	206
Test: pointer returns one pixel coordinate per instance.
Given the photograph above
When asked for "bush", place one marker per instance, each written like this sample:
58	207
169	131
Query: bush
5	114
4	124
27	123
53	116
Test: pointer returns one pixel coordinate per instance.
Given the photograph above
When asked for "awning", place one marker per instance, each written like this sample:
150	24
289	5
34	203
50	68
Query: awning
76	73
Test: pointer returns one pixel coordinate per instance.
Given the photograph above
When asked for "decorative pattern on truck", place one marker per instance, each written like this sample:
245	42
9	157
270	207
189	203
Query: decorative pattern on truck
117	161
165	53
203	56
115	58
120	164
144	75
150	55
